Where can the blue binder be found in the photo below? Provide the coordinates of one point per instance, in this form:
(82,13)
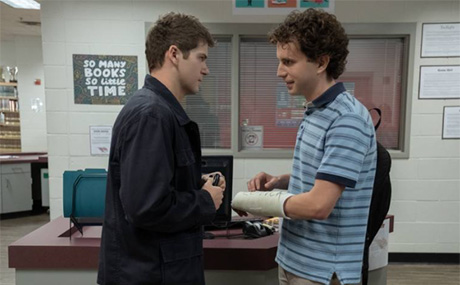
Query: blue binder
(84,194)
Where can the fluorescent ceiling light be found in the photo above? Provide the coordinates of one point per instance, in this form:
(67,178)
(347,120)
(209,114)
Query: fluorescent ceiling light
(22,4)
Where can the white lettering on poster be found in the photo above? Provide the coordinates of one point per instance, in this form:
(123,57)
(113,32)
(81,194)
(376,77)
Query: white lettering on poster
(105,77)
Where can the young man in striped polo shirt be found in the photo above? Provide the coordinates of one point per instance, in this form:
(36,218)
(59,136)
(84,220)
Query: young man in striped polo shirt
(330,187)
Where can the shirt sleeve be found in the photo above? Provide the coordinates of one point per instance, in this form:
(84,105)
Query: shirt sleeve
(148,197)
(346,145)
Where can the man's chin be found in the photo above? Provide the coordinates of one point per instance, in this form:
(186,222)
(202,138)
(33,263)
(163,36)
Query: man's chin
(193,92)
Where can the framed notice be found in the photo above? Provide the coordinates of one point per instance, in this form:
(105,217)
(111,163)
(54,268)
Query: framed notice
(439,82)
(100,137)
(441,40)
(451,122)
(104,79)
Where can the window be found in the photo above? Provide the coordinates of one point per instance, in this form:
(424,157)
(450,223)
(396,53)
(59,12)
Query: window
(242,90)
(264,100)
(210,107)
(374,75)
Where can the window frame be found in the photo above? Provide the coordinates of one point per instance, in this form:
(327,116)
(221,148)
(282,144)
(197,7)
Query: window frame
(405,31)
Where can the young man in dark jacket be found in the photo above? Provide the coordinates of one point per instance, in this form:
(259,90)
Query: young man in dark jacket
(156,200)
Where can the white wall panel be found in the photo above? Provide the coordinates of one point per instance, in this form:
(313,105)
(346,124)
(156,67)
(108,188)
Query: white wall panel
(56,100)
(57,122)
(79,145)
(53,30)
(405,211)
(54,53)
(439,212)
(55,77)
(79,122)
(431,190)
(58,145)
(439,169)
(60,164)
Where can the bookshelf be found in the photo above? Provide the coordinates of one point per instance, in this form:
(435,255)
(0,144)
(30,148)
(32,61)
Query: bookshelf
(10,125)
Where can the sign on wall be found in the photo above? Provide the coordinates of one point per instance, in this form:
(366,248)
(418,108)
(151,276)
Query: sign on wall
(278,7)
(104,79)
(441,40)
(99,138)
(439,82)
(451,122)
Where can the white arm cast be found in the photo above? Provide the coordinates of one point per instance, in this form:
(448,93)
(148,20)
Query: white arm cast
(262,203)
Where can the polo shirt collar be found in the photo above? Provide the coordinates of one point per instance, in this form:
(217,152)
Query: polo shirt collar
(160,89)
(329,95)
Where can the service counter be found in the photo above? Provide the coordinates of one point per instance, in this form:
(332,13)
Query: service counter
(57,254)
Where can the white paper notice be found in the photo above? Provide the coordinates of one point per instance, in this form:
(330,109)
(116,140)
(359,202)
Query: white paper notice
(451,125)
(440,40)
(439,82)
(252,137)
(100,137)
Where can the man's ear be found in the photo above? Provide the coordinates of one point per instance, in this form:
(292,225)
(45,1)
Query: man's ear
(323,62)
(172,54)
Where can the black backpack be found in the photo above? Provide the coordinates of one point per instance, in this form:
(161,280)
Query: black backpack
(380,201)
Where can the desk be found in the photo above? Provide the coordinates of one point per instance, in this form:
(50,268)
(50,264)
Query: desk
(48,256)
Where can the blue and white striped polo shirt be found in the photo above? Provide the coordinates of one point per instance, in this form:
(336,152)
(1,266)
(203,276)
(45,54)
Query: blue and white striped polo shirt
(335,142)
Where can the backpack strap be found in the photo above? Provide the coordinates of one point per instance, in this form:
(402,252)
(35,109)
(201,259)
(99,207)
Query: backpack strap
(380,117)
(365,267)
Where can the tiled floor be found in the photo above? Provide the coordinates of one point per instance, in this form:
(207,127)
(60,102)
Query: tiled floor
(398,274)
(10,231)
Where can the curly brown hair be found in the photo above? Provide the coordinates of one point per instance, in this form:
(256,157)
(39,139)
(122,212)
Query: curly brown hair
(184,31)
(317,33)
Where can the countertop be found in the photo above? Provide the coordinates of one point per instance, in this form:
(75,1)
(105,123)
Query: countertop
(23,157)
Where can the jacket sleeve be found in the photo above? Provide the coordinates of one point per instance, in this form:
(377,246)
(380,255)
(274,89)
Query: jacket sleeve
(146,171)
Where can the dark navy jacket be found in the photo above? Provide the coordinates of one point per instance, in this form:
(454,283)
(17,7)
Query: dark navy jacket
(155,206)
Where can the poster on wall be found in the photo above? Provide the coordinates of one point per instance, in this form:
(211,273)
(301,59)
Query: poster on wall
(279,7)
(100,137)
(441,40)
(451,122)
(104,79)
(439,82)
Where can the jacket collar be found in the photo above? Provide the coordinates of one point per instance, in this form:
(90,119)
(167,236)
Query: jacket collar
(160,89)
(329,95)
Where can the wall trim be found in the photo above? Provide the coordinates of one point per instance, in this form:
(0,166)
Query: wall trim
(410,257)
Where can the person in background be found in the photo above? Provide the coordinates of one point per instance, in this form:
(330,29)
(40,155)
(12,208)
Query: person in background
(157,201)
(326,206)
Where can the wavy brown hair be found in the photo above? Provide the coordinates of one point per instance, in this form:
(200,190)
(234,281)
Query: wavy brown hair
(317,33)
(184,31)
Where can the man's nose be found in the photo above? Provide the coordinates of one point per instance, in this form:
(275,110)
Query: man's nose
(205,71)
(280,72)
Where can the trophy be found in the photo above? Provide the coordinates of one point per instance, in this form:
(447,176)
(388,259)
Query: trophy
(2,76)
(13,73)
